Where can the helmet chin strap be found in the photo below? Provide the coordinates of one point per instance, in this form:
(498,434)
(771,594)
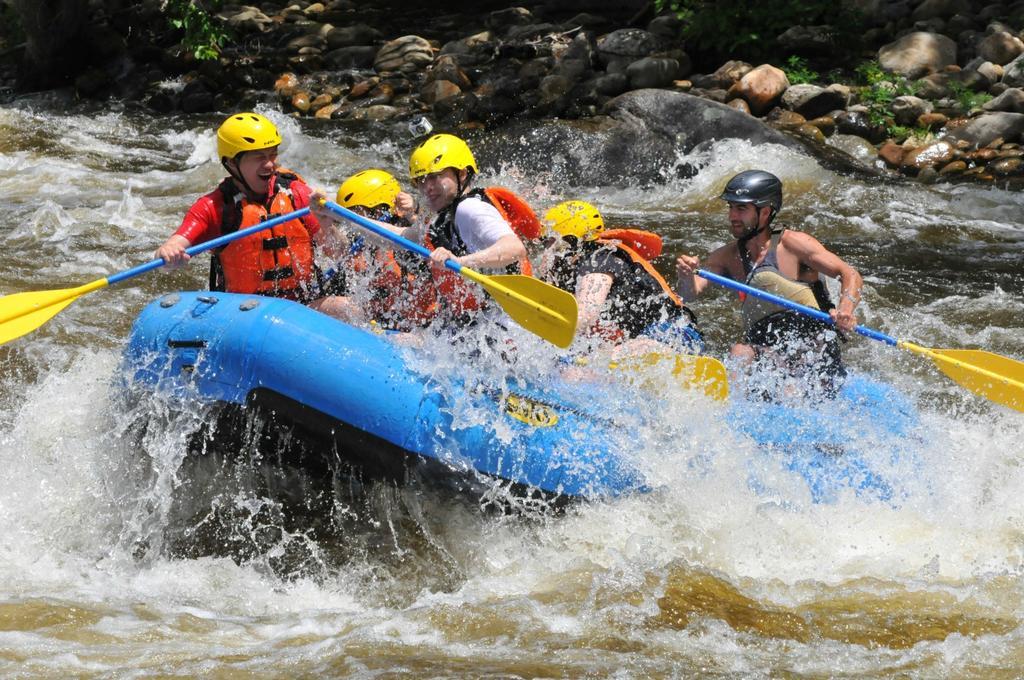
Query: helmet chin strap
(742,241)
(238,176)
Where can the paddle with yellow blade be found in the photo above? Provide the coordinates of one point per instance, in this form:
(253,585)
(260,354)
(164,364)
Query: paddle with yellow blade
(539,307)
(993,376)
(22,313)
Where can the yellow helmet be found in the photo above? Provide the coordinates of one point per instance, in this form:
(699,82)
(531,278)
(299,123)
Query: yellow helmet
(368,189)
(439,152)
(575,218)
(246,132)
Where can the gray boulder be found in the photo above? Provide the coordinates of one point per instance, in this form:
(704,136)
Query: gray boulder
(917,54)
(652,72)
(1011,100)
(629,45)
(986,128)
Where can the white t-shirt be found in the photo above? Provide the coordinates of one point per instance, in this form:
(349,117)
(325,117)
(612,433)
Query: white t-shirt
(479,224)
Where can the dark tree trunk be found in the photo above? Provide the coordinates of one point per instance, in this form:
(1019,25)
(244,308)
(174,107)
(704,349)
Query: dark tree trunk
(56,41)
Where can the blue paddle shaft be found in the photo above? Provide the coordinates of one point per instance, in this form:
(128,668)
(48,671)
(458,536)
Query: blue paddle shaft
(370,225)
(789,304)
(208,245)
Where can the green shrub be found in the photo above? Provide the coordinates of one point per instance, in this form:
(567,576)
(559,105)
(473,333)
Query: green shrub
(879,91)
(966,98)
(798,73)
(204,34)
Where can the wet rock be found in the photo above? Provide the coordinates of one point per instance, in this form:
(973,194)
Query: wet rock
(306,63)
(812,101)
(1005,167)
(162,100)
(716,95)
(740,105)
(320,101)
(927,175)
(918,54)
(931,9)
(382,94)
(532,71)
(936,85)
(1011,100)
(408,54)
(196,97)
(827,125)
(982,155)
(1000,48)
(727,75)
(858,147)
(530,32)
(980,75)
(892,153)
(300,102)
(246,19)
(286,85)
(690,120)
(554,86)
(362,88)
(761,88)
(376,112)
(438,90)
(652,72)
(807,40)
(354,57)
(611,84)
(445,67)
(667,26)
(349,36)
(297,43)
(92,82)
(858,123)
(907,109)
(628,45)
(932,121)
(987,127)
(1013,73)
(811,132)
(936,153)
(785,118)
(958,23)
(504,19)
(954,168)
(471,51)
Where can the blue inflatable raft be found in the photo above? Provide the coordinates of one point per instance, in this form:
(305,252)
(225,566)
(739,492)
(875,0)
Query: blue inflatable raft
(356,393)
(352,388)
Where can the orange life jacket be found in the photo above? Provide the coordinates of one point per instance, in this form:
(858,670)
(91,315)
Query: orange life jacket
(278,261)
(460,297)
(399,300)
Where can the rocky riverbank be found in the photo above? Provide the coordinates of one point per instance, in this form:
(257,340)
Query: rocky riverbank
(937,93)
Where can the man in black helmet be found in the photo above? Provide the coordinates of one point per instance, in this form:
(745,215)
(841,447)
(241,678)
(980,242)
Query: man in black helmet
(785,263)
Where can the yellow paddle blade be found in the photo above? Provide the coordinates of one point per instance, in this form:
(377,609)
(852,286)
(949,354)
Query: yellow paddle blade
(538,307)
(691,371)
(993,376)
(22,313)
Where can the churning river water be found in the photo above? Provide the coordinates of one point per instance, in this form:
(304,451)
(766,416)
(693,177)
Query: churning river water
(702,577)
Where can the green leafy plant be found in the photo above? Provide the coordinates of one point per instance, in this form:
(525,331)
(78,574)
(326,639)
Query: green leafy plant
(798,73)
(204,35)
(880,90)
(966,98)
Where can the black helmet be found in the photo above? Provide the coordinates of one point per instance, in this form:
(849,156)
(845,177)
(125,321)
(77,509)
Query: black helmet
(755,186)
